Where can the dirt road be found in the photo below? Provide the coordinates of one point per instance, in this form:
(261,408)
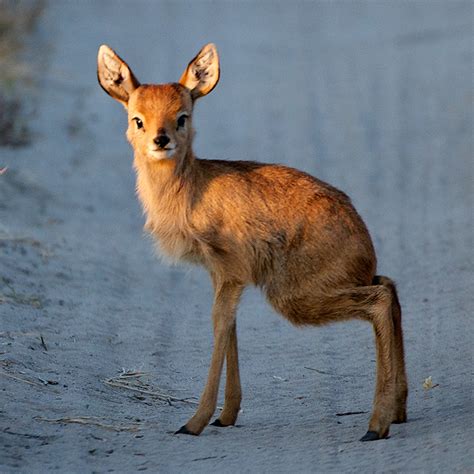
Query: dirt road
(374,97)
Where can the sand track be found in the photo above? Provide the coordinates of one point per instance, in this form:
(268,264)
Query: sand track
(375,97)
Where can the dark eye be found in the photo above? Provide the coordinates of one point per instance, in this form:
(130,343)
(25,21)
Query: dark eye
(182,120)
(138,122)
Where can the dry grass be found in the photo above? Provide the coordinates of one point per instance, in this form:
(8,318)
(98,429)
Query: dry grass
(35,381)
(130,380)
(91,420)
(20,379)
(428,383)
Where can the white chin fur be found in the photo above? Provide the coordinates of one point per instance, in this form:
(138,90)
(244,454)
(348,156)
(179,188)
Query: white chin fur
(161,154)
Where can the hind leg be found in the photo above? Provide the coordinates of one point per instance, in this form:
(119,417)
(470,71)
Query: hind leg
(401,385)
(370,303)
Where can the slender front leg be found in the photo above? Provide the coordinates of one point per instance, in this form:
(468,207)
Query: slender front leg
(226,298)
(233,391)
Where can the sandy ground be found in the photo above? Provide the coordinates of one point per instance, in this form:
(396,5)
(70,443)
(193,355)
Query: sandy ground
(375,97)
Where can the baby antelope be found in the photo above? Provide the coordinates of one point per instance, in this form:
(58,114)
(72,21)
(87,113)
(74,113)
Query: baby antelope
(250,223)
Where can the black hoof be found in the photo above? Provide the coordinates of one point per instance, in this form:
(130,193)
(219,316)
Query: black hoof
(218,422)
(370,436)
(184,430)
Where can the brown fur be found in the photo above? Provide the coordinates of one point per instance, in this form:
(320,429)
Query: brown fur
(296,237)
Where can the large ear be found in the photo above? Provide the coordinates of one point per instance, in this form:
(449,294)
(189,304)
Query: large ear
(114,75)
(202,73)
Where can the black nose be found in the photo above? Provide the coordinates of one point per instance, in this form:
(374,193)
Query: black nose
(162,140)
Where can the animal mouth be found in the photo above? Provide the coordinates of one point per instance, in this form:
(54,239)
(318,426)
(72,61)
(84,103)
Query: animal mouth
(161,153)
(168,148)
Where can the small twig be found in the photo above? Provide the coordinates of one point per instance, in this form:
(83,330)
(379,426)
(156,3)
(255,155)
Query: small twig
(48,382)
(122,382)
(43,343)
(318,371)
(348,413)
(332,374)
(161,396)
(88,420)
(204,459)
(6,374)
(117,383)
(129,373)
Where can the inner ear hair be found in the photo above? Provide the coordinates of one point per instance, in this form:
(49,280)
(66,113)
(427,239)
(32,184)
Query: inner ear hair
(202,73)
(114,75)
